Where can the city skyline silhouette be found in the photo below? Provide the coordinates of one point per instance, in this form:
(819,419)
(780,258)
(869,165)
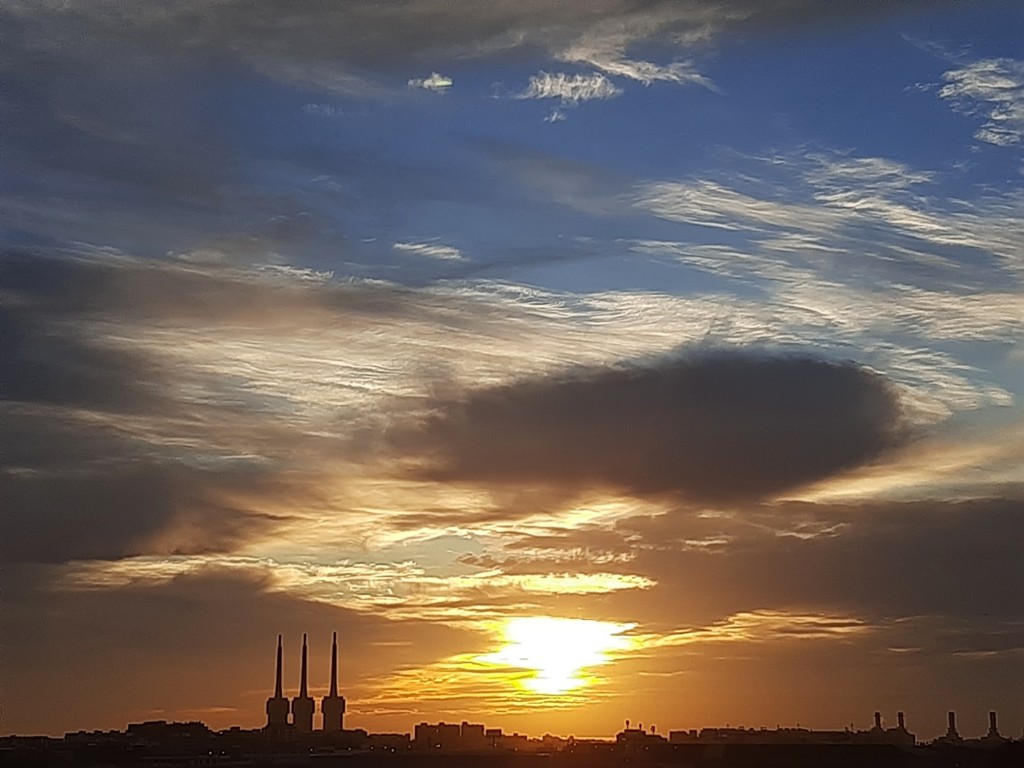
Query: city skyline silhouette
(535,366)
(290,735)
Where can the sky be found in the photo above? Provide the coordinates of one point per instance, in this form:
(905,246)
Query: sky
(575,361)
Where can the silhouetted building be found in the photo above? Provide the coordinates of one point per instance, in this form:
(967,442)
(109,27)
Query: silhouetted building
(472,736)
(993,731)
(682,737)
(440,736)
(162,731)
(992,738)
(952,737)
(388,742)
(638,737)
(277,705)
(898,736)
(879,735)
(303,705)
(332,705)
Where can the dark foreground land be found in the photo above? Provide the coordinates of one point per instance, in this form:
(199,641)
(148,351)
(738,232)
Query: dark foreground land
(31,753)
(802,756)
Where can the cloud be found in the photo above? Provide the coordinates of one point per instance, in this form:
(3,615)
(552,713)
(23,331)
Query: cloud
(837,203)
(278,371)
(647,72)
(430,250)
(404,589)
(605,50)
(128,509)
(241,361)
(570,89)
(724,426)
(54,363)
(436,82)
(951,562)
(364,36)
(993,88)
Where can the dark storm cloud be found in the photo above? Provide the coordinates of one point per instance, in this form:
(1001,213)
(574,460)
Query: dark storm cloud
(724,426)
(126,510)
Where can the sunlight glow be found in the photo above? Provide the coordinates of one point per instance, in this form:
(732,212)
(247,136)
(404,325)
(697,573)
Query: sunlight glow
(558,650)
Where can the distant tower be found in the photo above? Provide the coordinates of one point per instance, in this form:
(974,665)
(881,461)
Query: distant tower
(332,705)
(951,734)
(878,721)
(993,731)
(302,705)
(277,705)
(900,722)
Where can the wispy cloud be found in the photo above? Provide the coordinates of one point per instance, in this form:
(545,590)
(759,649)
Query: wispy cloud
(434,82)
(430,250)
(606,51)
(407,590)
(766,626)
(570,89)
(993,89)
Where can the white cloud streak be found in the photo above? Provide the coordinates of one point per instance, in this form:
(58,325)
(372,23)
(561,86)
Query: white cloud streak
(405,589)
(993,88)
(608,56)
(430,250)
(570,89)
(435,82)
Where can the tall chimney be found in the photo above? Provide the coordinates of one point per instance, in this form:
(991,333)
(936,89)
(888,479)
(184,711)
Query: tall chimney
(333,692)
(277,705)
(332,705)
(899,720)
(277,679)
(878,721)
(303,692)
(951,730)
(992,730)
(302,705)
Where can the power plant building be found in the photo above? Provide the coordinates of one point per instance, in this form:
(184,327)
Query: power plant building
(332,706)
(278,707)
(297,715)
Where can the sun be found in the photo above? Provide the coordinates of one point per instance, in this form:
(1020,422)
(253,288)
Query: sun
(558,651)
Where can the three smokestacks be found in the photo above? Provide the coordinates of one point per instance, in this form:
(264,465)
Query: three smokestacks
(302,707)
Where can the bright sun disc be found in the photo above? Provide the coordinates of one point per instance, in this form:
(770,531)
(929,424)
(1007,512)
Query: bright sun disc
(558,650)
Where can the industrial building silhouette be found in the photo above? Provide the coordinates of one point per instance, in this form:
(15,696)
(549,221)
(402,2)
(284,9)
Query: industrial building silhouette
(288,738)
(302,707)
(293,718)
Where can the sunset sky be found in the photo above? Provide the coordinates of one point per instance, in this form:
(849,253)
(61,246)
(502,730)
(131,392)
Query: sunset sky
(574,360)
